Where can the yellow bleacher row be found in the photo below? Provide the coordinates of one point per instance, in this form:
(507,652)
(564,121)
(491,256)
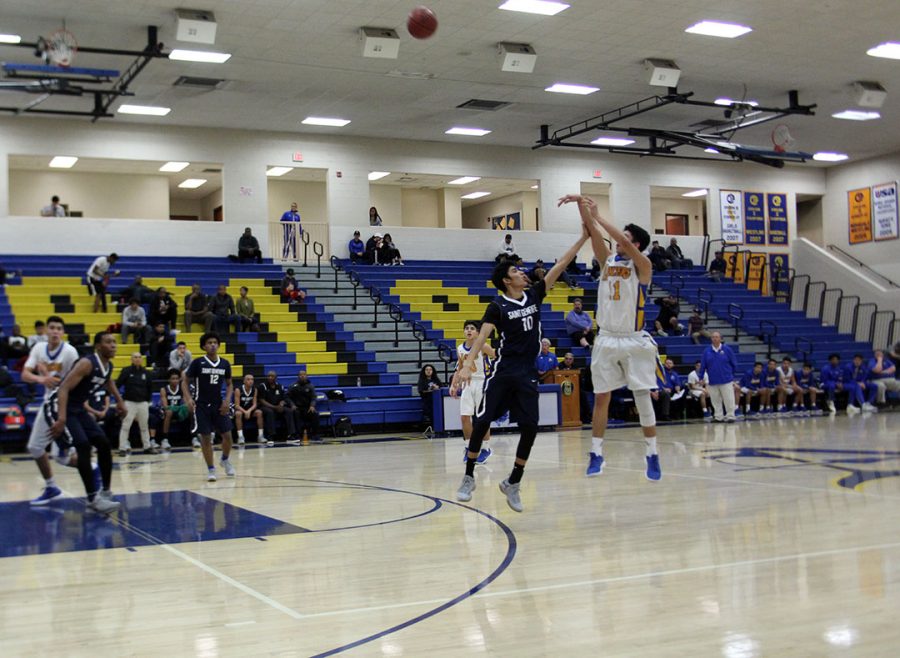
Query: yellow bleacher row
(419,293)
(30,301)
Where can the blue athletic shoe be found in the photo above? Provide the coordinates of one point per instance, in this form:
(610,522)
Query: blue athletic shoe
(50,493)
(595,465)
(654,473)
(483,455)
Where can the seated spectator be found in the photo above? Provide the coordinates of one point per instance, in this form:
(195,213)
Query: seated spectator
(426,386)
(16,345)
(357,249)
(137,290)
(248,247)
(697,389)
(895,352)
(595,270)
(55,209)
(568,362)
(570,274)
(866,389)
(246,407)
(163,309)
(388,254)
(672,388)
(274,403)
(290,288)
(221,305)
(247,311)
(658,257)
(696,327)
(717,267)
(180,358)
(374,217)
(160,346)
(755,395)
(196,309)
(580,324)
(39,335)
(537,272)
(667,320)
(807,390)
(507,249)
(134,321)
(546,362)
(373,245)
(883,373)
(302,394)
(679,262)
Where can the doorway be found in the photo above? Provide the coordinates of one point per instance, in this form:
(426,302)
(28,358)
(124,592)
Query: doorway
(676,224)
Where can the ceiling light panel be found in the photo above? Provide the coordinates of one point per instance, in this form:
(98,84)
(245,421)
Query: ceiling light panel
(10,38)
(566,88)
(474,195)
(856,115)
(888,50)
(464,180)
(325,121)
(471,132)
(612,141)
(718,29)
(278,171)
(542,7)
(146,110)
(174,167)
(695,193)
(203,56)
(63,162)
(192,183)
(378,175)
(828,156)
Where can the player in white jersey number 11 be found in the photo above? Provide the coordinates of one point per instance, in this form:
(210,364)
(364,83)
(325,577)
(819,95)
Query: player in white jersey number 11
(623,353)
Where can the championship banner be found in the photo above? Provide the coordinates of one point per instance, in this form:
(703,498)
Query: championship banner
(732,216)
(780,276)
(734,266)
(884,211)
(754,218)
(859,206)
(776,206)
(756,278)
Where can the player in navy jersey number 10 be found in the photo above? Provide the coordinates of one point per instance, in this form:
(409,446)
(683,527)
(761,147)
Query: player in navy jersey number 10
(512,384)
(211,408)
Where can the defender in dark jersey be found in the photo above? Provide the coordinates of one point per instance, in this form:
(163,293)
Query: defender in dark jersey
(74,422)
(211,408)
(513,383)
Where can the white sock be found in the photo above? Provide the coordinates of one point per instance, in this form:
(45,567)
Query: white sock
(240,434)
(597,445)
(651,445)
(50,482)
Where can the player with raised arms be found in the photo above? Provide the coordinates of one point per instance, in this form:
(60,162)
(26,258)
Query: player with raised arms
(623,353)
(513,382)
(470,396)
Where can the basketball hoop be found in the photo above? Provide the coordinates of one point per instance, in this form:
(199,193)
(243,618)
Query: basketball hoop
(61,47)
(781,138)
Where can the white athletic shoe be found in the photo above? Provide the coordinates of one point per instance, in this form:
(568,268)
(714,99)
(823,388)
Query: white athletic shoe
(831,408)
(241,440)
(195,442)
(229,469)
(166,445)
(870,408)
(103,506)
(211,475)
(852,410)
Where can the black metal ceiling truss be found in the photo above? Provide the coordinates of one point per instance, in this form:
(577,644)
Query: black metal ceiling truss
(663,143)
(80,84)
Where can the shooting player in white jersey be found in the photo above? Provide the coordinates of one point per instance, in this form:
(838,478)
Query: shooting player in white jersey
(623,353)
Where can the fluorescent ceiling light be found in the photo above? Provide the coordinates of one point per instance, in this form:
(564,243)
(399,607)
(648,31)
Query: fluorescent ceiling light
(10,38)
(325,121)
(711,150)
(148,110)
(542,7)
(63,162)
(278,171)
(464,180)
(174,167)
(378,175)
(612,141)
(827,156)
(534,187)
(889,50)
(472,132)
(717,29)
(729,102)
(205,56)
(565,88)
(695,193)
(857,115)
(192,183)
(474,195)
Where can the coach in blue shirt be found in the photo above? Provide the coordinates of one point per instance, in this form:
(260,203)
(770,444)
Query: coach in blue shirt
(720,365)
(293,229)
(546,361)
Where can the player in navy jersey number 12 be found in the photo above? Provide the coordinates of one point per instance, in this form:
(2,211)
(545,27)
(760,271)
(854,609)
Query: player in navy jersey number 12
(623,353)
(512,384)
(211,408)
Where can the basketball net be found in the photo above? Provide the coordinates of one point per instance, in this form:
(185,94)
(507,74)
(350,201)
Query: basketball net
(781,138)
(60,48)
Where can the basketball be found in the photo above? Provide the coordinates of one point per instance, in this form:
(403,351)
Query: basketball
(422,23)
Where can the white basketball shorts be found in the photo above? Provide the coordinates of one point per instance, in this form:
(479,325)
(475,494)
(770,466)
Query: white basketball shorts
(624,360)
(470,397)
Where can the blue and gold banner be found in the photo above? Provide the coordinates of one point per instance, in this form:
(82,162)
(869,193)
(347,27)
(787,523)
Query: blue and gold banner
(776,207)
(754,218)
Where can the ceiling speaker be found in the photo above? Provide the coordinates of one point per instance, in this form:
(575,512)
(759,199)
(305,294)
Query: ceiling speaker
(379,42)
(663,72)
(869,94)
(195,26)
(516,57)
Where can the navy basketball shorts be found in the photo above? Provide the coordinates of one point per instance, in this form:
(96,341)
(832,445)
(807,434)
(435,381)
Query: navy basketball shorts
(209,420)
(511,389)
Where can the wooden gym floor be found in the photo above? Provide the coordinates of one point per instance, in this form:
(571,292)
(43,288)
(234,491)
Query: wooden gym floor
(767,538)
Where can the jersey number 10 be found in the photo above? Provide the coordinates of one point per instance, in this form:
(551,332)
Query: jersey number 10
(528,322)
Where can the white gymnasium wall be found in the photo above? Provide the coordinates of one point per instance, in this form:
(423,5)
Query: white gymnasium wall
(387,199)
(420,207)
(690,207)
(126,196)
(245,155)
(311,200)
(883,257)
(478,215)
(186,207)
